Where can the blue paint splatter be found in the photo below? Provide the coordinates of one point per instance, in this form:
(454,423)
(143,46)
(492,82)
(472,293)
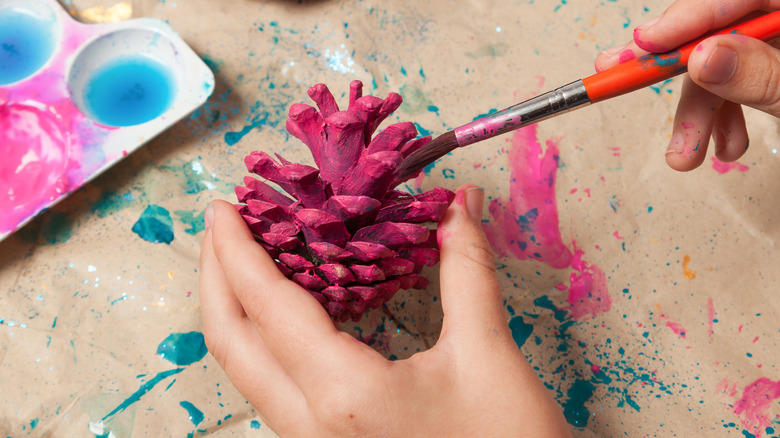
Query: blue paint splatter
(143,389)
(195,414)
(574,408)
(183,348)
(254,424)
(195,222)
(422,131)
(155,225)
(434,109)
(521,330)
(490,111)
(259,120)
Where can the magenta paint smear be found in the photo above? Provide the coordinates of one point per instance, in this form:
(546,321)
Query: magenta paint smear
(526,225)
(753,407)
(722,167)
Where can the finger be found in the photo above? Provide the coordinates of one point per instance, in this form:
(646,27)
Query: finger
(686,20)
(693,125)
(740,69)
(618,55)
(294,326)
(239,349)
(470,294)
(730,133)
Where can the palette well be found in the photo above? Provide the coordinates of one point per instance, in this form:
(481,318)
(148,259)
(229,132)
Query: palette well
(76,98)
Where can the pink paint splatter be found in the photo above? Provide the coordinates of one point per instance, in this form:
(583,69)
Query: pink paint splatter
(595,369)
(526,225)
(617,235)
(710,316)
(722,167)
(673,325)
(753,407)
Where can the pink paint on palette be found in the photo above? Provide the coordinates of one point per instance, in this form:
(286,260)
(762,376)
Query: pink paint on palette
(526,225)
(56,133)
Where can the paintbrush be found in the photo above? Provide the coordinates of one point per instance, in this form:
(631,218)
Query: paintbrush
(621,79)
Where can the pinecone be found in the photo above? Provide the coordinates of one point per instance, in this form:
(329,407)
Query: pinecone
(342,231)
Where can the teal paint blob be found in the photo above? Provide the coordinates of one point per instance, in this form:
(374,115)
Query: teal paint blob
(155,225)
(213,64)
(520,330)
(195,414)
(195,222)
(254,424)
(490,111)
(111,203)
(129,91)
(57,228)
(422,131)
(574,408)
(143,389)
(26,43)
(183,348)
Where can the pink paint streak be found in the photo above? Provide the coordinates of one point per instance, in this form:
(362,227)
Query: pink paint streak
(722,167)
(710,316)
(626,55)
(526,225)
(753,407)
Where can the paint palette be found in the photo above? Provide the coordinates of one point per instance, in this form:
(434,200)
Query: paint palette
(77,98)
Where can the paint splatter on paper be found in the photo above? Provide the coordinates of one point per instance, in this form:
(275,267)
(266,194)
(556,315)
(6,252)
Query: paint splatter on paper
(526,225)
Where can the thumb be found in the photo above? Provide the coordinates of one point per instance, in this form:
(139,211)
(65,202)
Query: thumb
(470,294)
(739,69)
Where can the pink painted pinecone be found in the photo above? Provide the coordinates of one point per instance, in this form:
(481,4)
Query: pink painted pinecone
(344,233)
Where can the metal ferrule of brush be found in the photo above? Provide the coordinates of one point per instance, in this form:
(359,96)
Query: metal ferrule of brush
(536,109)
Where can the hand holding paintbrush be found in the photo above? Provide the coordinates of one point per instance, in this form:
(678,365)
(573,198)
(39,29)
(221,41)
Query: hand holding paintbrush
(731,67)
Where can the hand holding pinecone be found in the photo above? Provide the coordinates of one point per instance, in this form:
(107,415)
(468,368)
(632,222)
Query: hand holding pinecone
(342,231)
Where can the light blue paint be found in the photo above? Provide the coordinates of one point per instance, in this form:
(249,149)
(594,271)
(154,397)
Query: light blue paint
(232,138)
(183,348)
(26,43)
(195,414)
(195,222)
(129,91)
(155,225)
(143,389)
(254,424)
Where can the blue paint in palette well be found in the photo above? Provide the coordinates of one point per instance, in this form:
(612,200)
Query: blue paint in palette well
(26,43)
(129,91)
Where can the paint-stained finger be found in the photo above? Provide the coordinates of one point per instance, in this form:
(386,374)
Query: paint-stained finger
(293,324)
(693,125)
(234,342)
(686,20)
(618,55)
(730,132)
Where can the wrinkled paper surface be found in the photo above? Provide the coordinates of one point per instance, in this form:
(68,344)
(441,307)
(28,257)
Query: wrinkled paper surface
(662,321)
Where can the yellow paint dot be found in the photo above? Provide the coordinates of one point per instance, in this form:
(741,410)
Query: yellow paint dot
(687,273)
(170,275)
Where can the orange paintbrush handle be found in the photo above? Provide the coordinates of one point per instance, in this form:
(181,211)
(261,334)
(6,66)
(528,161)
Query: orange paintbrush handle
(650,69)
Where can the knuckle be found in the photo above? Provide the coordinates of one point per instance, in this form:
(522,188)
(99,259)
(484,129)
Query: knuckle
(479,253)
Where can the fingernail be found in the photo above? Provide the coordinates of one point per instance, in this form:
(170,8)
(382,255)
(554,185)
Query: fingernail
(647,25)
(721,140)
(676,144)
(720,67)
(611,52)
(208,216)
(475,197)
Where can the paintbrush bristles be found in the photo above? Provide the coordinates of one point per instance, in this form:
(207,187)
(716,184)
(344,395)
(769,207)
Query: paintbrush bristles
(426,155)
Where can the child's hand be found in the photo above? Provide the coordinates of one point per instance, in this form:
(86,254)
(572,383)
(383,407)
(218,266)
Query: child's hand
(306,378)
(724,72)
